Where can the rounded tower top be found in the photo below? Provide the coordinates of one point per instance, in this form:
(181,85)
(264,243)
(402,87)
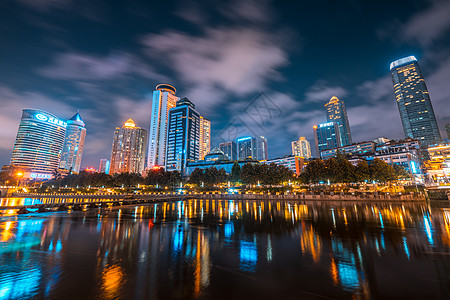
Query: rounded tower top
(129,123)
(164,87)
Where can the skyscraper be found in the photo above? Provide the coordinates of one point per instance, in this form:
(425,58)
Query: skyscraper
(73,144)
(183,136)
(229,149)
(163,100)
(246,148)
(205,137)
(39,143)
(413,100)
(336,112)
(104,166)
(262,150)
(301,148)
(128,149)
(326,136)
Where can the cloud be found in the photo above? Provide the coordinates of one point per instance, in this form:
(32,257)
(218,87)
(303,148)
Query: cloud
(85,67)
(322,92)
(375,90)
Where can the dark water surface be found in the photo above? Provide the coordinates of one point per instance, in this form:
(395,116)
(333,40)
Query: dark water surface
(215,249)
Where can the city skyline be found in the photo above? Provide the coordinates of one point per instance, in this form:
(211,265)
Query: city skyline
(251,48)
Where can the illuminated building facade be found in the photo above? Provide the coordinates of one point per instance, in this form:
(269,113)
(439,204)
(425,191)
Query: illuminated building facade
(301,148)
(104,166)
(39,143)
(326,136)
(205,137)
(229,149)
(183,137)
(438,167)
(262,150)
(73,144)
(359,149)
(337,113)
(164,99)
(292,162)
(413,100)
(246,148)
(128,149)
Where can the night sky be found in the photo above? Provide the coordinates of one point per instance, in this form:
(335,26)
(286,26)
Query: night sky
(259,67)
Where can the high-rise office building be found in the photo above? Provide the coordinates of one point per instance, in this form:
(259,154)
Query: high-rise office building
(39,142)
(205,137)
(336,112)
(128,149)
(301,148)
(229,149)
(447,128)
(73,144)
(246,148)
(164,99)
(262,152)
(104,166)
(183,136)
(413,100)
(326,136)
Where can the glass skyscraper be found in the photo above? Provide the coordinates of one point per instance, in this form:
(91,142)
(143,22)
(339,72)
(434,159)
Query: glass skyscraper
(326,136)
(413,100)
(183,136)
(73,144)
(39,142)
(336,112)
(104,166)
(262,150)
(229,149)
(128,149)
(164,99)
(247,148)
(301,148)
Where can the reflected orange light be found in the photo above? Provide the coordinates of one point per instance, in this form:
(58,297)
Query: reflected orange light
(112,280)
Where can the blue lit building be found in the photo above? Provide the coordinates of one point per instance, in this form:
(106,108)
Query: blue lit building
(246,148)
(326,136)
(73,144)
(413,100)
(336,112)
(39,143)
(357,149)
(183,136)
(262,152)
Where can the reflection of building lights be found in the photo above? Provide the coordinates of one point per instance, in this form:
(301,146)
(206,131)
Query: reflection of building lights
(248,256)
(112,280)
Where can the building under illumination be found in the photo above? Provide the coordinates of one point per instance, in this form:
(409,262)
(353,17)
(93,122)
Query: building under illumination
(205,136)
(73,144)
(164,99)
(336,112)
(262,152)
(413,100)
(104,166)
(292,162)
(246,148)
(39,143)
(301,148)
(229,149)
(438,167)
(326,136)
(128,149)
(183,136)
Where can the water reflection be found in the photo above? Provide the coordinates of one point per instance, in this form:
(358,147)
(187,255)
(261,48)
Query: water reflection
(228,249)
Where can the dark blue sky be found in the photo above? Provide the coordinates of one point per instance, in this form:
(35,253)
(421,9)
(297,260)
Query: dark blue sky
(259,67)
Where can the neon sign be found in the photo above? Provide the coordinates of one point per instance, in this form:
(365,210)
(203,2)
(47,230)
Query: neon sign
(244,138)
(44,118)
(40,176)
(326,124)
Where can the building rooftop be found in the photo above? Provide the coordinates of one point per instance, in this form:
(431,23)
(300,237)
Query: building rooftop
(402,61)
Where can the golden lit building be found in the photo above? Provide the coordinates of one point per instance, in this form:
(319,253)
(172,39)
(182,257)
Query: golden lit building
(336,112)
(128,149)
(438,167)
(205,137)
(301,148)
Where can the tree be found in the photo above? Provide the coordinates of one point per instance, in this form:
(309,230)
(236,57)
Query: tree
(235,175)
(381,171)
(401,172)
(362,171)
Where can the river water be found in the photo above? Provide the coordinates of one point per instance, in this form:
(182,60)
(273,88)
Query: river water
(217,249)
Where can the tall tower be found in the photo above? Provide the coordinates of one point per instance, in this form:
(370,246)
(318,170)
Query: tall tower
(336,112)
(205,137)
(262,150)
(128,149)
(301,148)
(326,136)
(413,100)
(229,149)
(163,100)
(183,136)
(39,143)
(73,144)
